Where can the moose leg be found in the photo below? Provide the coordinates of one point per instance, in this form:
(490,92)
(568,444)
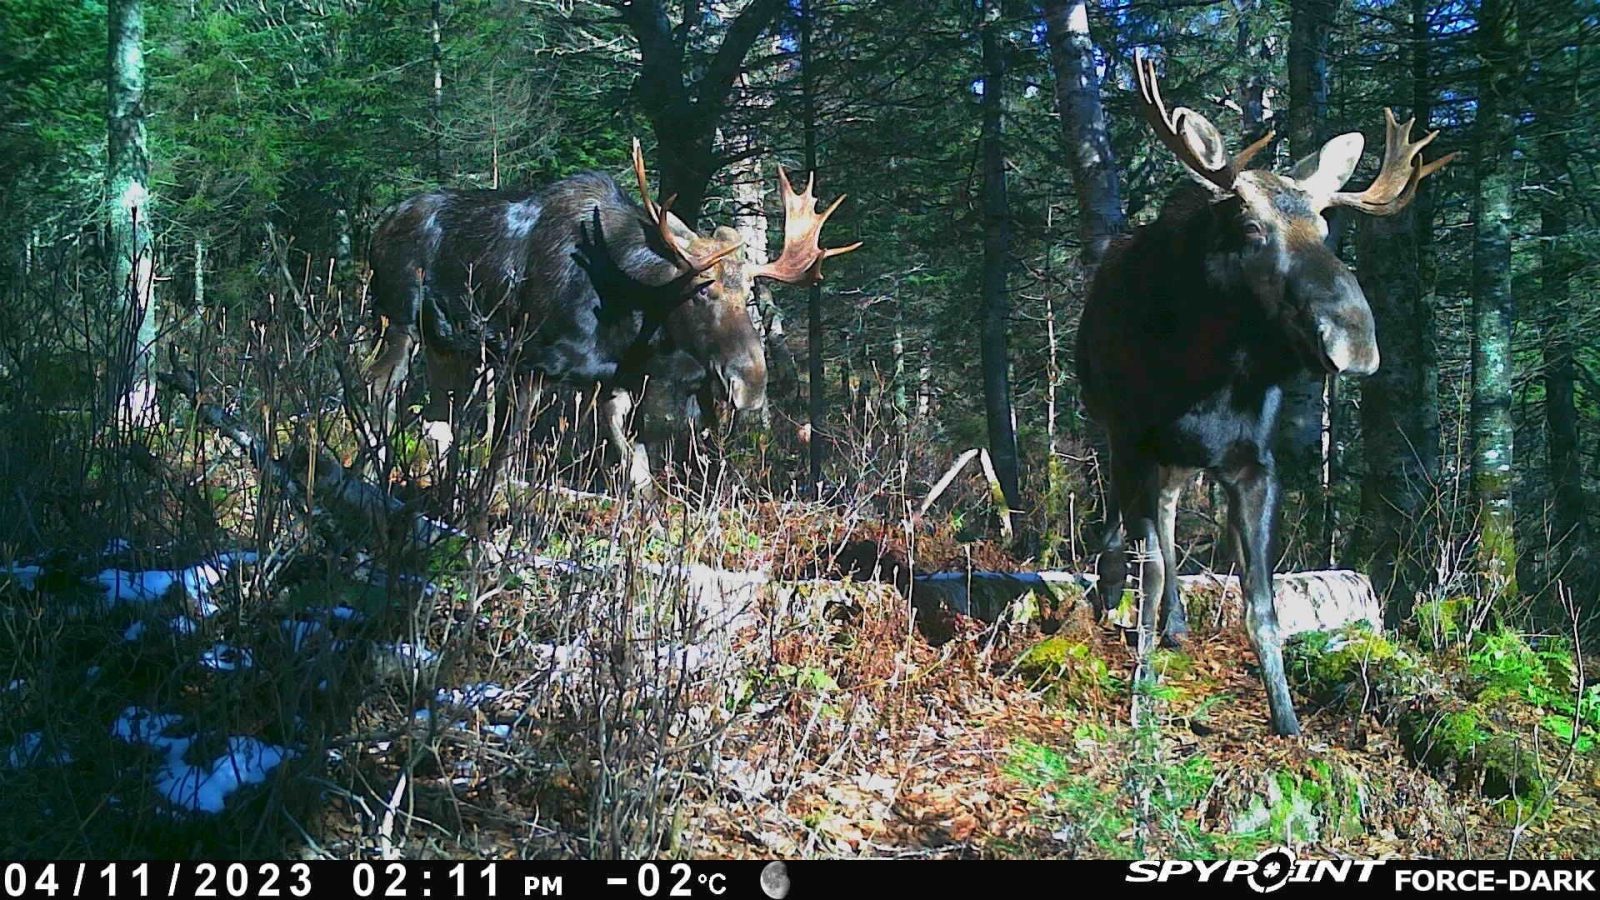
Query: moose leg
(1138,486)
(617,409)
(1252,510)
(450,382)
(387,377)
(1112,567)
(1174,619)
(513,416)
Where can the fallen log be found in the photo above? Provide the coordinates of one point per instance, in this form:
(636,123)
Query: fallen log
(362,509)
(1305,601)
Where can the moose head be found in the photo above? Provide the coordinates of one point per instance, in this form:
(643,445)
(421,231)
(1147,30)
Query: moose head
(707,308)
(1268,233)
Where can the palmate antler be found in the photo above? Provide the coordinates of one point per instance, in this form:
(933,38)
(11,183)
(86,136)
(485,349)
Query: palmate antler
(658,213)
(1189,135)
(802,256)
(1403,168)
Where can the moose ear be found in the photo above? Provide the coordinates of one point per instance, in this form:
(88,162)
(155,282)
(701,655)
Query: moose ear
(1202,138)
(1328,169)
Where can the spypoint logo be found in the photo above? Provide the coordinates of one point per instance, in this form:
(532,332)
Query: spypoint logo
(1266,873)
(1272,870)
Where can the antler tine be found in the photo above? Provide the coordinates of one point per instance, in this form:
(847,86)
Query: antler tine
(1243,157)
(644,182)
(1396,184)
(659,213)
(1168,127)
(802,256)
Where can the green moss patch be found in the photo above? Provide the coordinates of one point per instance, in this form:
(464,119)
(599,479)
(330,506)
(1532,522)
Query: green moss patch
(1355,668)
(1066,669)
(1465,746)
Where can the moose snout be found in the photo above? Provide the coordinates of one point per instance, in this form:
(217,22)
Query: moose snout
(1347,337)
(1347,351)
(744,382)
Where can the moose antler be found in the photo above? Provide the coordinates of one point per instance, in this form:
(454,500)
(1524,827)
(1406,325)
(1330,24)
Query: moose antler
(1402,168)
(1189,135)
(801,259)
(659,214)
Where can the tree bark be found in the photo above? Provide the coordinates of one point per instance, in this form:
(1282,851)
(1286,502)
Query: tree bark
(1083,127)
(996,261)
(1400,402)
(131,262)
(436,99)
(684,112)
(1492,302)
(816,410)
(1300,444)
(1555,112)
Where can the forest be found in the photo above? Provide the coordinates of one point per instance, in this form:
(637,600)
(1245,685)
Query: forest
(306,552)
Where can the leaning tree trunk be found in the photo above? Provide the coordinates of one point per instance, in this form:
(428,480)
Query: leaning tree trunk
(1300,444)
(1492,306)
(1083,126)
(131,389)
(1094,178)
(1400,402)
(996,253)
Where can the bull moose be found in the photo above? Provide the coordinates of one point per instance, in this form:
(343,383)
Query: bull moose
(1192,326)
(576,283)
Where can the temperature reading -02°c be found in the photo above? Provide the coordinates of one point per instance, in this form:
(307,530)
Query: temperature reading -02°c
(679,880)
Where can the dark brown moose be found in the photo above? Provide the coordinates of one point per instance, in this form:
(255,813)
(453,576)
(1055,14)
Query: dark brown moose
(1192,326)
(576,283)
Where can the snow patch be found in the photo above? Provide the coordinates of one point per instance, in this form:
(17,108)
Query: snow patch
(29,750)
(224,658)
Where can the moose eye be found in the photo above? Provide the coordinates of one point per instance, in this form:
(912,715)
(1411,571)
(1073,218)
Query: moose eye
(1254,231)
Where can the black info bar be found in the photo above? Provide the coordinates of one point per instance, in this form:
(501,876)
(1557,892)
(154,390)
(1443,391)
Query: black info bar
(1275,872)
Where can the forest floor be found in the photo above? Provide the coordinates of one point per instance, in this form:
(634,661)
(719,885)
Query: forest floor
(286,703)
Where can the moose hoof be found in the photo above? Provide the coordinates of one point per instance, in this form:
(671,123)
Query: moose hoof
(1174,638)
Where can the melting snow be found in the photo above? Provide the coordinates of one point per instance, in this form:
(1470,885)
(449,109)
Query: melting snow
(223,658)
(300,634)
(29,749)
(206,788)
(25,575)
(138,725)
(198,788)
(472,696)
(194,582)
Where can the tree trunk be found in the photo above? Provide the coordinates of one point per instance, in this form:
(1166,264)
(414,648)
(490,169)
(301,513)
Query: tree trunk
(1300,434)
(131,263)
(436,100)
(1492,307)
(1255,57)
(1400,402)
(684,112)
(1555,112)
(816,410)
(996,253)
(1083,127)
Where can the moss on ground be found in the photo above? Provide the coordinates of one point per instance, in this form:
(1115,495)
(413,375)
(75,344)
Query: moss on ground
(1311,802)
(1066,669)
(1466,746)
(1355,668)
